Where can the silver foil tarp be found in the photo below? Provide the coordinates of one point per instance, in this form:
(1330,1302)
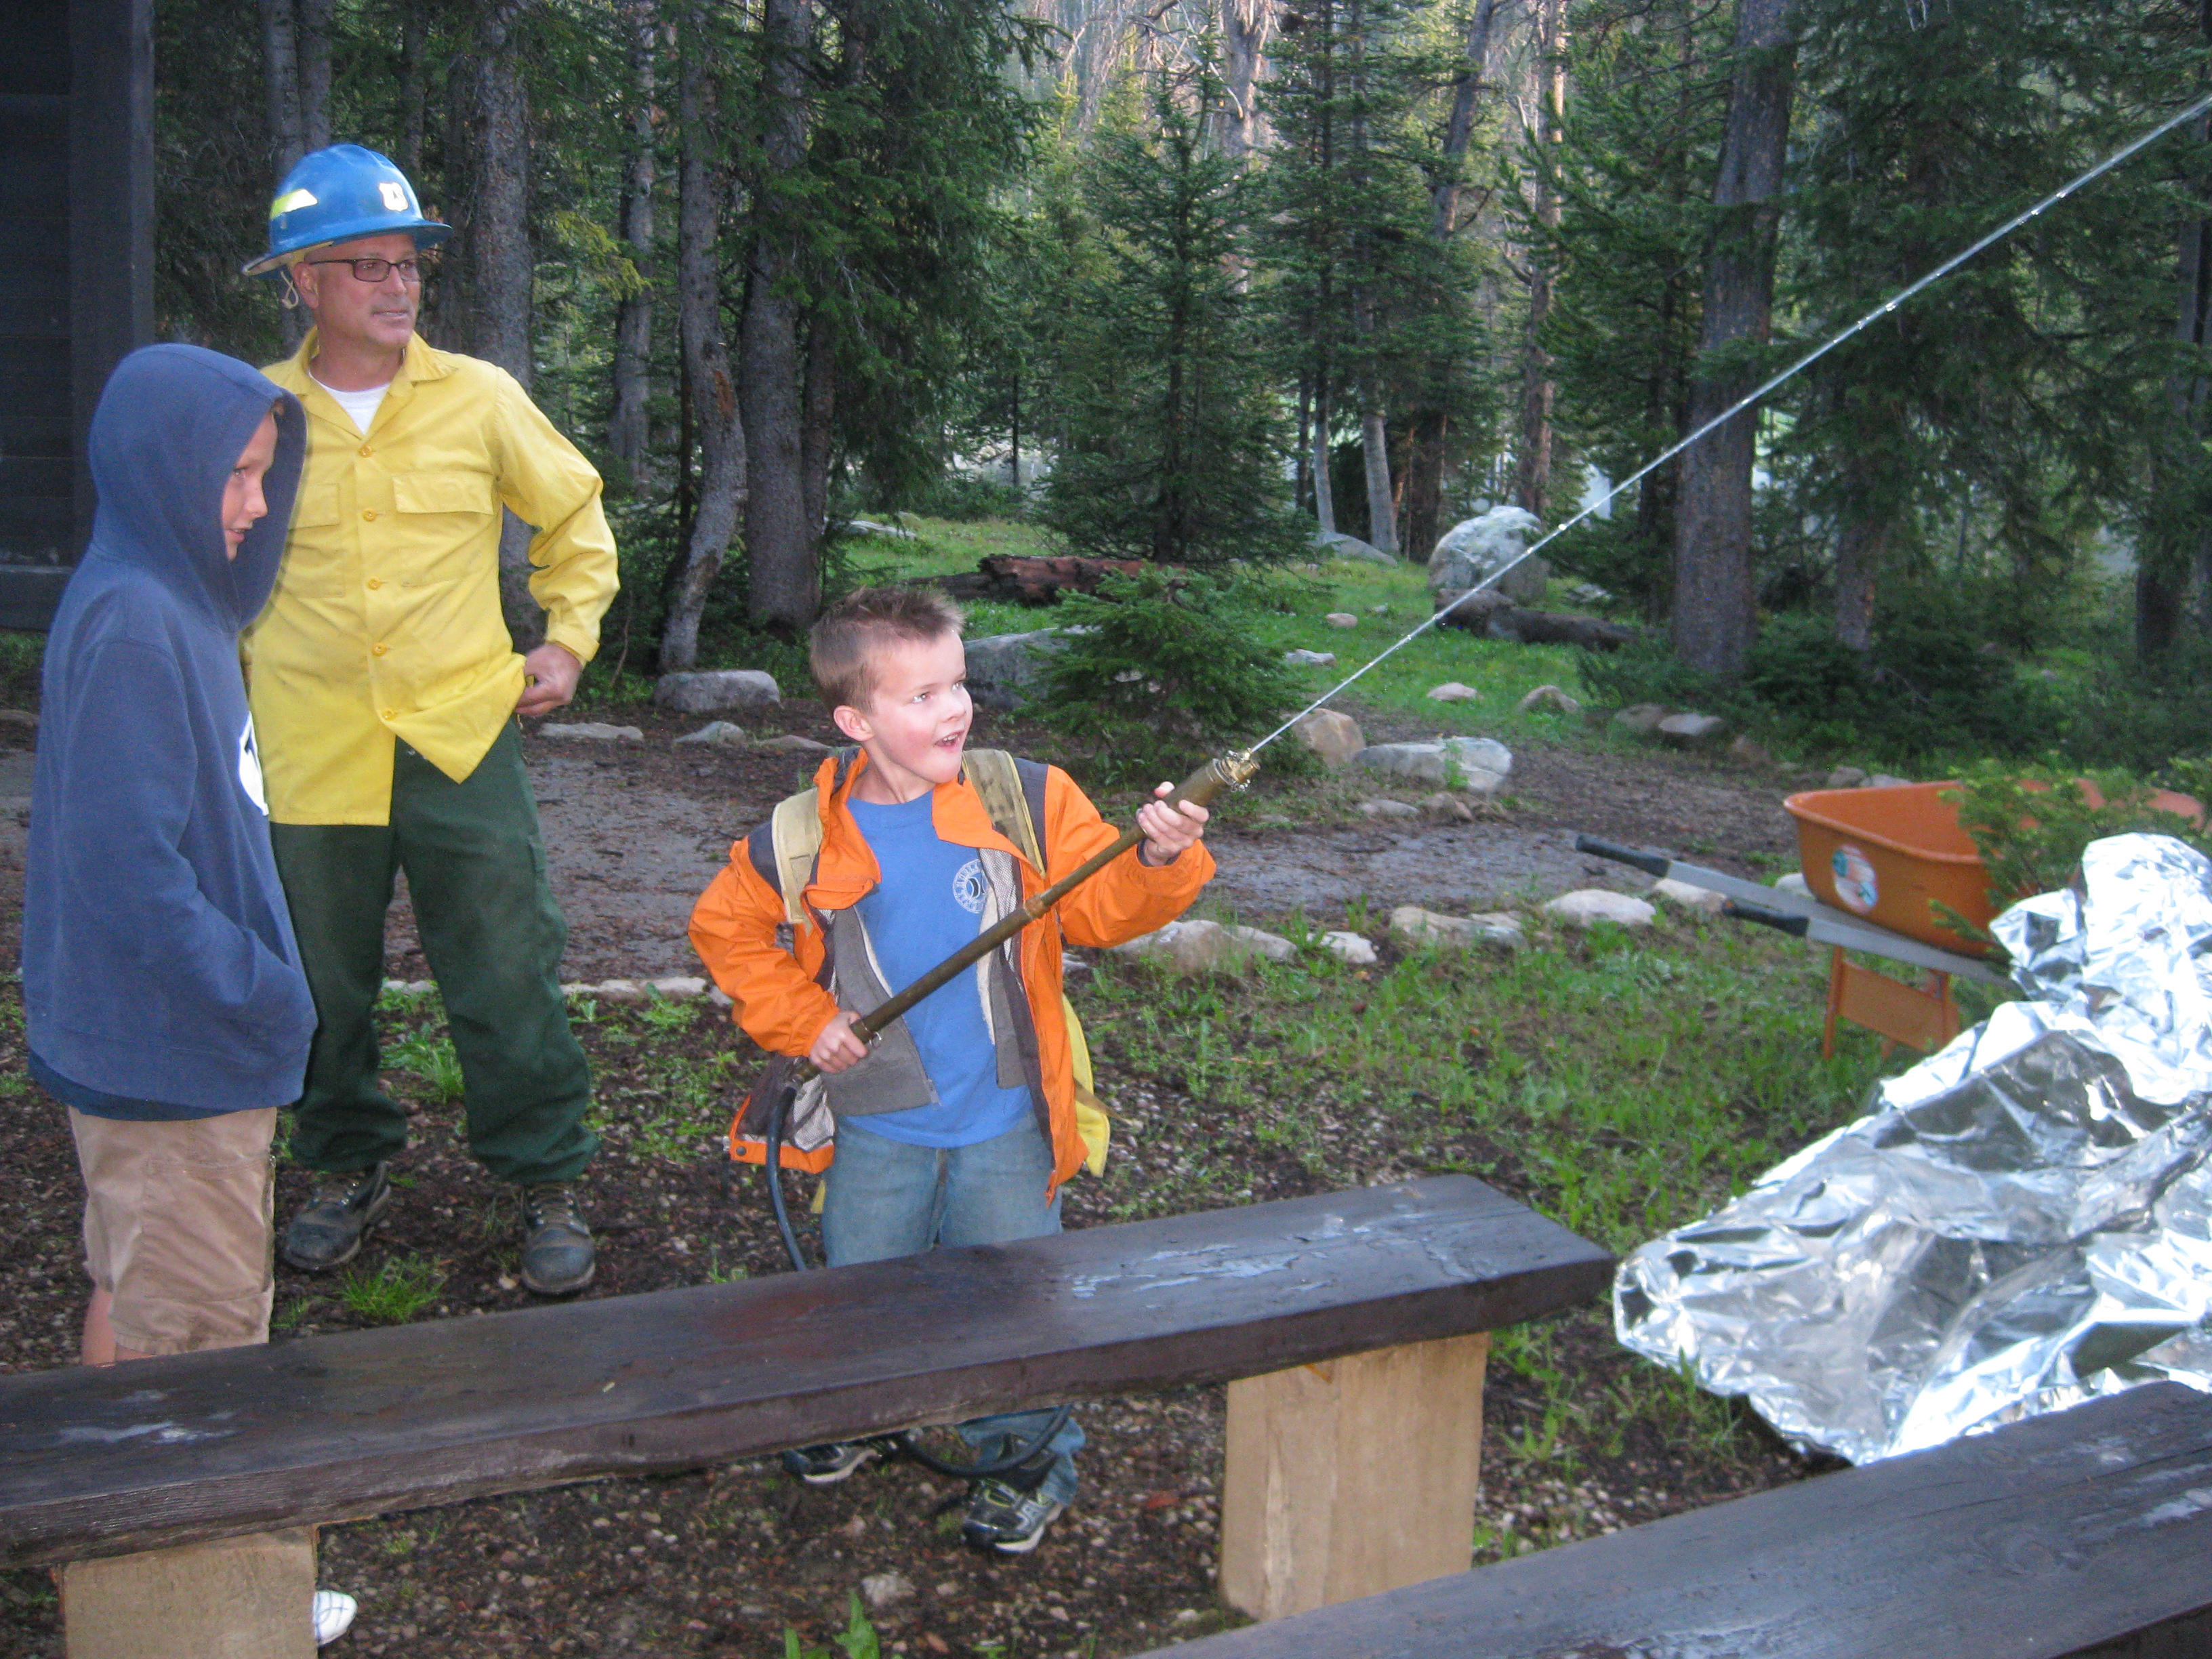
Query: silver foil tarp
(2021,1222)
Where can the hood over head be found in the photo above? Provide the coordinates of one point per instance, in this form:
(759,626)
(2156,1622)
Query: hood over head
(171,425)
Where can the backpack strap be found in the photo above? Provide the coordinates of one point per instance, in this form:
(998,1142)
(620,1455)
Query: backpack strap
(1013,792)
(794,832)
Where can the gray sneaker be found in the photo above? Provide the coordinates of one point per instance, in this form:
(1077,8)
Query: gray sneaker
(558,1252)
(338,1215)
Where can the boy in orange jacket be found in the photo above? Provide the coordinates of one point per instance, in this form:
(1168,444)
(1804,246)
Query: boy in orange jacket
(958,1126)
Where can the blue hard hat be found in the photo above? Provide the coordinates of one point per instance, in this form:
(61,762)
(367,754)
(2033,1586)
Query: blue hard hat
(336,194)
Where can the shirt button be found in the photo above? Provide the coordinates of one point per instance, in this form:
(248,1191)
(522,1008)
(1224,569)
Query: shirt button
(370,515)
(376,581)
(392,713)
(380,648)
(364,449)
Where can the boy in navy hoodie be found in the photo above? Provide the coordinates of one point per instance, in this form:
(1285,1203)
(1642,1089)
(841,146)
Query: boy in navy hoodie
(163,991)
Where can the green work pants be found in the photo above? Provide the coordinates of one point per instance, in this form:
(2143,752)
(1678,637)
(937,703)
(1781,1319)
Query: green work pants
(475,871)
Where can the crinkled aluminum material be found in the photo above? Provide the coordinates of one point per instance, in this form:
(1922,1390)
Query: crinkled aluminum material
(2019,1223)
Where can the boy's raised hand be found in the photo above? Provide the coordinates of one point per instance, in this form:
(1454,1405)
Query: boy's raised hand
(837,1048)
(1169,830)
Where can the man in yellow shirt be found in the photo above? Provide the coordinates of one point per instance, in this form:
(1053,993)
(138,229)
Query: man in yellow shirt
(384,687)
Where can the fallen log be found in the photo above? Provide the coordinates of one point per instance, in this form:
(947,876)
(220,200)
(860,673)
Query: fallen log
(1485,610)
(1027,579)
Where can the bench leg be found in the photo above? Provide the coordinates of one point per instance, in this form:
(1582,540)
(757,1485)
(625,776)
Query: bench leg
(1352,1478)
(236,1598)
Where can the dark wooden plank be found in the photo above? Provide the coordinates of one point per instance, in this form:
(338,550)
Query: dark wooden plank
(166,1451)
(2042,1539)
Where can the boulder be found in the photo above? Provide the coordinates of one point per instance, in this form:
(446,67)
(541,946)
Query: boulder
(679,988)
(1412,925)
(1691,731)
(1454,691)
(710,691)
(1591,905)
(792,743)
(1005,670)
(1387,809)
(1480,765)
(1204,947)
(1685,897)
(1746,752)
(889,533)
(1448,808)
(1342,546)
(1885,780)
(1349,947)
(1335,737)
(717,732)
(1341,619)
(1641,719)
(1310,658)
(1795,882)
(1475,549)
(1549,698)
(591,732)
(1844,777)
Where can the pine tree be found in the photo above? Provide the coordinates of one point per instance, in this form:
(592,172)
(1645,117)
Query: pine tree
(1171,449)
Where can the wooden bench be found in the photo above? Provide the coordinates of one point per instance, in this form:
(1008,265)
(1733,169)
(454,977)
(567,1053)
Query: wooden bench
(1355,1321)
(2084,1531)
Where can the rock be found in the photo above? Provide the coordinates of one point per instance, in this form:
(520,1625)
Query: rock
(1454,691)
(1448,808)
(1200,947)
(1641,719)
(1372,610)
(716,732)
(1549,698)
(708,691)
(792,743)
(1350,947)
(1691,731)
(1003,669)
(1844,777)
(1746,752)
(1335,737)
(1591,905)
(880,1589)
(409,987)
(614,990)
(1341,619)
(1480,765)
(889,533)
(1412,925)
(1341,546)
(680,987)
(1475,549)
(1387,809)
(1886,780)
(591,731)
(1688,897)
(1310,658)
(1795,882)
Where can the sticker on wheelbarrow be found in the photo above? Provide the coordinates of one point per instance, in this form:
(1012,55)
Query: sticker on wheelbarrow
(1855,885)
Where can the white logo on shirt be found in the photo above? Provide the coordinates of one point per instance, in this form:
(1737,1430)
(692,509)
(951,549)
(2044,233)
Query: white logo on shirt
(968,886)
(249,767)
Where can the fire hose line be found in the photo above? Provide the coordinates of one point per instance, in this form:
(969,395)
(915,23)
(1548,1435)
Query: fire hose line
(1235,769)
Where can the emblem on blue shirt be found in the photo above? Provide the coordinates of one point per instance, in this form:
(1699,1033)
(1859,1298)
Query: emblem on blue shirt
(968,886)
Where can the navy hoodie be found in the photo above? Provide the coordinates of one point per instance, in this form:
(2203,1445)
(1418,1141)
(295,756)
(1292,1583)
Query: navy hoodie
(161,978)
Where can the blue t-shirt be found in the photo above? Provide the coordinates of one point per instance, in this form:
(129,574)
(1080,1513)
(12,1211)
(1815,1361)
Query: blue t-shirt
(929,904)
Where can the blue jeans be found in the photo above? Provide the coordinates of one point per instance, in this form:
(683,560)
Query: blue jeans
(883,1198)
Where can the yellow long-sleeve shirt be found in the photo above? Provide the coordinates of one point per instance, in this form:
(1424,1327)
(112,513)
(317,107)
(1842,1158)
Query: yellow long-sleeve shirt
(385,621)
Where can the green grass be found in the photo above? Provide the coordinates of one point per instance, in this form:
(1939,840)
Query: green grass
(429,1057)
(399,1288)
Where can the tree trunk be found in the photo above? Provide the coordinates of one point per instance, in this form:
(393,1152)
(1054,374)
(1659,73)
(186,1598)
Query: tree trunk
(1714,615)
(701,181)
(414,91)
(781,557)
(1532,481)
(280,53)
(1324,490)
(496,266)
(628,443)
(1246,26)
(1424,483)
(314,39)
(1459,127)
(1382,503)
(817,411)
(1859,548)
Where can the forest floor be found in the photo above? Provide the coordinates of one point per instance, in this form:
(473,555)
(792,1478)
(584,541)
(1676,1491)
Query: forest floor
(1293,1079)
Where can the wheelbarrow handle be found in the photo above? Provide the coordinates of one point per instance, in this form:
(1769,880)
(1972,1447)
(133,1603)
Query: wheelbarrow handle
(1780,921)
(1641,857)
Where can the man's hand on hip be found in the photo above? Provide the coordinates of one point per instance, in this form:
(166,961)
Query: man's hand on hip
(553,671)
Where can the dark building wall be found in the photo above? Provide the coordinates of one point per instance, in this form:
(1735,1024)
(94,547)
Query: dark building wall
(76,287)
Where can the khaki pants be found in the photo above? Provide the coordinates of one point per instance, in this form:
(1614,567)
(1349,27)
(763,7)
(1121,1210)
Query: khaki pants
(178,1227)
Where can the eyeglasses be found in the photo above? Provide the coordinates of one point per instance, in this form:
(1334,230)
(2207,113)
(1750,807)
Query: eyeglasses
(375,270)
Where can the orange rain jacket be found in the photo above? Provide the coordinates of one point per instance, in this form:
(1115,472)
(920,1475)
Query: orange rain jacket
(734,925)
